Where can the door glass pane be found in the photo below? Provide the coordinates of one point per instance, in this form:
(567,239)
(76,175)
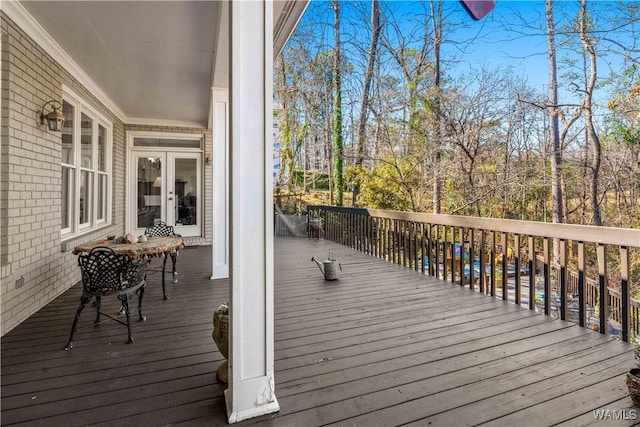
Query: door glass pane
(67,133)
(186,191)
(149,191)
(86,139)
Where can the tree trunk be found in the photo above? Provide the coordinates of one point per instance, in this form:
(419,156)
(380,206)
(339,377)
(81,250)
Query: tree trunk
(284,180)
(554,128)
(436,13)
(588,45)
(338,148)
(368,75)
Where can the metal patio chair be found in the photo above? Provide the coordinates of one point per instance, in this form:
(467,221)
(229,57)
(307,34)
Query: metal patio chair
(162,229)
(104,273)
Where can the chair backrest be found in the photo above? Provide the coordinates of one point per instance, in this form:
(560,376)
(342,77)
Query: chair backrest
(136,273)
(104,271)
(160,229)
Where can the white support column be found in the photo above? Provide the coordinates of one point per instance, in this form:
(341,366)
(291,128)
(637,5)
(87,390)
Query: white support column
(220,126)
(251,389)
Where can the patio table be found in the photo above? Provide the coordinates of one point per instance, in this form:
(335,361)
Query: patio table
(153,247)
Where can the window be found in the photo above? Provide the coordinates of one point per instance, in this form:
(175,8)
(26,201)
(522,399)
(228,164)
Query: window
(86,168)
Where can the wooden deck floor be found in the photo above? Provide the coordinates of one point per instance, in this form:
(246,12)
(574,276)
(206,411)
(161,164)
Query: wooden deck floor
(382,346)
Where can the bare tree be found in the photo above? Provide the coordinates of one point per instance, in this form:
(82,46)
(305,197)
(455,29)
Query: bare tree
(436,24)
(338,148)
(589,46)
(366,88)
(554,111)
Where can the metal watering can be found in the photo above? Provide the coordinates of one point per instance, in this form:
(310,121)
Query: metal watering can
(328,267)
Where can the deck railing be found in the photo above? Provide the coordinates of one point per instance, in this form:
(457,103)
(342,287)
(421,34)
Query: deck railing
(558,268)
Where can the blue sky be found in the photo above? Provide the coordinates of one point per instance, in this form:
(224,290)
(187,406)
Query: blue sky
(511,35)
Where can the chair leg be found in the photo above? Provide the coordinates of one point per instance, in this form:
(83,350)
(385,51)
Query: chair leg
(140,295)
(83,300)
(98,307)
(174,258)
(164,268)
(125,303)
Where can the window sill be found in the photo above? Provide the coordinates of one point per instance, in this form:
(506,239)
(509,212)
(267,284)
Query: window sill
(68,242)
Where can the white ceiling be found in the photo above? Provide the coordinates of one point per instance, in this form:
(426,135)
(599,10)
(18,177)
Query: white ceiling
(155,60)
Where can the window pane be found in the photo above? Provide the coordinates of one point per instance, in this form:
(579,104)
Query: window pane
(102,142)
(67,133)
(86,179)
(102,198)
(86,141)
(67,196)
(166,142)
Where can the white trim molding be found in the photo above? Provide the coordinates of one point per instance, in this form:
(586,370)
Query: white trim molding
(251,391)
(220,130)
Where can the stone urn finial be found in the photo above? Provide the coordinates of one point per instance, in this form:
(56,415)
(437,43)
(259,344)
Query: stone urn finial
(221,338)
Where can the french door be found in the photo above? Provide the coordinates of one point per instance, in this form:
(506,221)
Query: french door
(167,188)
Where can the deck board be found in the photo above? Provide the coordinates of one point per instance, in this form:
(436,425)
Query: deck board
(383,345)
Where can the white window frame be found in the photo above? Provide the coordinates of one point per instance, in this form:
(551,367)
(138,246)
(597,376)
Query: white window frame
(98,120)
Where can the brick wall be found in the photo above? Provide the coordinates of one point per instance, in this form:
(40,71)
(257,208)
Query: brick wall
(34,269)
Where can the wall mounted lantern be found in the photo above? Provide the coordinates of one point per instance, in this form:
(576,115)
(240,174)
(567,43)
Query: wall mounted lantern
(54,119)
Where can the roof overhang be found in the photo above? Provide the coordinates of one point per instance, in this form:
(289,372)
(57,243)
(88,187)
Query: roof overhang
(149,62)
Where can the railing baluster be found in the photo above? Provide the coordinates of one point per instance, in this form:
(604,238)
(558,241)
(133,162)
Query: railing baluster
(462,253)
(582,296)
(493,263)
(532,273)
(547,276)
(483,262)
(505,273)
(389,250)
(430,249)
(436,265)
(472,251)
(422,247)
(452,252)
(394,240)
(403,243)
(602,289)
(416,249)
(563,279)
(516,260)
(445,250)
